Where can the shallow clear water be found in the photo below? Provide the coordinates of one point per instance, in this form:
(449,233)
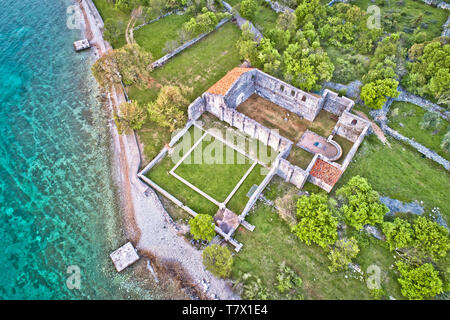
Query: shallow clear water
(57,196)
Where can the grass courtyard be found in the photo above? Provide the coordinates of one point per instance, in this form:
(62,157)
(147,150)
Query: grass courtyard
(406,118)
(154,37)
(203,64)
(211,166)
(107,11)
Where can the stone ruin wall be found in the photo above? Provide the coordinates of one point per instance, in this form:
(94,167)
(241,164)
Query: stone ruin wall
(335,104)
(196,109)
(291,173)
(287,96)
(241,90)
(216,106)
(350,126)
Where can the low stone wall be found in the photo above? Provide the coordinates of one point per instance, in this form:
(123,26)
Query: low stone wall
(161,61)
(422,149)
(158,18)
(446,29)
(278,7)
(260,189)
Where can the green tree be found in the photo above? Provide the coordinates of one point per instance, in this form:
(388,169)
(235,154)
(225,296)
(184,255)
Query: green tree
(248,8)
(113,30)
(375,94)
(316,222)
(167,109)
(342,253)
(306,65)
(431,238)
(268,57)
(202,227)
(420,282)
(399,234)
(131,117)
(361,203)
(218,260)
(129,64)
(310,11)
(247,46)
(286,21)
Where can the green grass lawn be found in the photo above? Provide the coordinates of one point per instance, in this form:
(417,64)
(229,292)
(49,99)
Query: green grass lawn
(410,11)
(299,157)
(345,144)
(265,19)
(272,243)
(204,63)
(215,179)
(153,37)
(410,116)
(402,173)
(107,11)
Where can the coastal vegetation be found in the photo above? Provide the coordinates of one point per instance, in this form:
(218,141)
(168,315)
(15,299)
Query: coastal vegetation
(202,227)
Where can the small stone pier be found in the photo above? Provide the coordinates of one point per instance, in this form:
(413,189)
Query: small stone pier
(81,45)
(124,256)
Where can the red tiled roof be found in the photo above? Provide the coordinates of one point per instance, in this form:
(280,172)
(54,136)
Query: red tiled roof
(223,85)
(326,172)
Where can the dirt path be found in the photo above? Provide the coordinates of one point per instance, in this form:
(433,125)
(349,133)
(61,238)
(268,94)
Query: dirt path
(129,32)
(376,129)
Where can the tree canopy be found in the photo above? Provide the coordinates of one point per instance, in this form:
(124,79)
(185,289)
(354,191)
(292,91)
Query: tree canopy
(342,253)
(218,260)
(131,116)
(167,109)
(202,227)
(316,222)
(418,283)
(361,203)
(129,64)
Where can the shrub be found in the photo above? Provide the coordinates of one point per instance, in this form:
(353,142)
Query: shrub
(218,260)
(287,279)
(399,234)
(420,282)
(431,238)
(253,288)
(431,121)
(202,227)
(342,253)
(248,8)
(131,117)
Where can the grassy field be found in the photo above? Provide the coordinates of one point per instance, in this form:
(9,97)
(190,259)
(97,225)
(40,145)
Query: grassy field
(410,116)
(204,63)
(272,243)
(431,18)
(402,173)
(265,19)
(299,157)
(153,37)
(107,11)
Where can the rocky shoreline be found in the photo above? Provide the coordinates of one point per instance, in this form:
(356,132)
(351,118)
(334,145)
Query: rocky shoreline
(147,224)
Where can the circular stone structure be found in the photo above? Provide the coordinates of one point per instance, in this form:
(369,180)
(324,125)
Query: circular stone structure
(314,143)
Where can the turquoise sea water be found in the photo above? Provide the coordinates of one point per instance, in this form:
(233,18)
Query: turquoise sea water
(57,196)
